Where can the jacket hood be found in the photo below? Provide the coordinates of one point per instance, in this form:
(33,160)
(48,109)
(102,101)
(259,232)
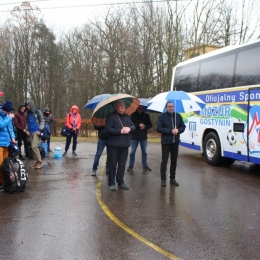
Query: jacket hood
(47,110)
(74,107)
(31,104)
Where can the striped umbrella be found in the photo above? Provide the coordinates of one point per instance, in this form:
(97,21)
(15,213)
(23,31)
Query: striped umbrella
(184,102)
(107,106)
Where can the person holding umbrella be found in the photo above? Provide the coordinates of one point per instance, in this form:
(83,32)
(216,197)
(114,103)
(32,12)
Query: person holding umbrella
(119,127)
(170,124)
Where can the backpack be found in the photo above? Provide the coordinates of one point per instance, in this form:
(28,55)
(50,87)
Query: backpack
(15,175)
(45,132)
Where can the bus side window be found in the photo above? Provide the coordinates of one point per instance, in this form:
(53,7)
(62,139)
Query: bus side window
(186,78)
(209,79)
(247,68)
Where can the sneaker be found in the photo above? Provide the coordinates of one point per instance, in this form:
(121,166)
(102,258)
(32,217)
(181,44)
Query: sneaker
(130,168)
(33,165)
(163,182)
(21,157)
(74,153)
(64,154)
(50,151)
(38,165)
(123,186)
(146,168)
(94,173)
(107,171)
(1,187)
(112,187)
(174,182)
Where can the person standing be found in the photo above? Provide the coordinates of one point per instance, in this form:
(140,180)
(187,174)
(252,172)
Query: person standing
(73,122)
(48,118)
(35,123)
(22,133)
(101,144)
(6,134)
(170,124)
(142,123)
(119,127)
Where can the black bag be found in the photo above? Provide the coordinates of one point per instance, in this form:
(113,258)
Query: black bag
(45,132)
(15,175)
(65,131)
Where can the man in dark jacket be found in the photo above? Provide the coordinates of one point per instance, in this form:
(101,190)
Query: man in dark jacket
(170,125)
(20,125)
(142,123)
(119,127)
(101,144)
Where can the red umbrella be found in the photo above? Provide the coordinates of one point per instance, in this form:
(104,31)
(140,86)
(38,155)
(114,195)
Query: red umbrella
(1,93)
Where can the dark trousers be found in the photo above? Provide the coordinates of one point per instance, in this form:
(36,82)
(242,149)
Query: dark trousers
(73,135)
(167,149)
(22,137)
(117,162)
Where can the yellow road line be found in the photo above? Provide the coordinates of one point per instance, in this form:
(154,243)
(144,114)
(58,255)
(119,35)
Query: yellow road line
(123,226)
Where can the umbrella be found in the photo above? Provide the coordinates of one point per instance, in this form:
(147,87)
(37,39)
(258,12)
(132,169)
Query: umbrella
(107,106)
(1,93)
(93,102)
(143,101)
(184,102)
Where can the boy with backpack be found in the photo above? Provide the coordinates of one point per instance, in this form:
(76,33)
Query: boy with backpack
(35,123)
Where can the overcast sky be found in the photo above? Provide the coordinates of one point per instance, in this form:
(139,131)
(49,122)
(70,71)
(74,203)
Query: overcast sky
(64,14)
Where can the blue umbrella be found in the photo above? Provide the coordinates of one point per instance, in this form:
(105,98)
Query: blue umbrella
(184,102)
(93,102)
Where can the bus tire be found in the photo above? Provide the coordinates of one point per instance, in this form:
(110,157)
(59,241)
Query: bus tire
(212,149)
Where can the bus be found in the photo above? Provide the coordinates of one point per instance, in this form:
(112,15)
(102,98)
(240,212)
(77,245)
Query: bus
(228,81)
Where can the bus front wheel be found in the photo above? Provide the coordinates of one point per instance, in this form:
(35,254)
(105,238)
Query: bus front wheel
(211,149)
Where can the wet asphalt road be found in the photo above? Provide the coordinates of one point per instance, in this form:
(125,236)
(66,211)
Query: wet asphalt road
(65,213)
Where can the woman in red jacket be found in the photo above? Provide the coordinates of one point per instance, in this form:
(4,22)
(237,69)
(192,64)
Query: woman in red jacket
(73,122)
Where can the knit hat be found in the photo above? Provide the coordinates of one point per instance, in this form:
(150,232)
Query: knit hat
(7,106)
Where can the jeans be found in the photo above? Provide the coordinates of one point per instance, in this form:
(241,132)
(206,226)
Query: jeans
(74,134)
(117,161)
(101,144)
(134,145)
(167,149)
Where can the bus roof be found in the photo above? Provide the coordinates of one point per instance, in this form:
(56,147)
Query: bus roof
(216,52)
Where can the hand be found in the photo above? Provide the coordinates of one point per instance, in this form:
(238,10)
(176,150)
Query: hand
(38,133)
(142,126)
(13,140)
(125,130)
(74,129)
(175,131)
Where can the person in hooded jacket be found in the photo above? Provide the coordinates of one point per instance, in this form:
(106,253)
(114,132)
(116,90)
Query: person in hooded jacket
(20,125)
(73,122)
(6,133)
(48,117)
(35,123)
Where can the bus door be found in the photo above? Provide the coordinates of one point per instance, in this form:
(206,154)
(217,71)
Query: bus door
(253,125)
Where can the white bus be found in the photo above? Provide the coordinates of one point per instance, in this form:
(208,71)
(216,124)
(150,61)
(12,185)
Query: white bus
(228,81)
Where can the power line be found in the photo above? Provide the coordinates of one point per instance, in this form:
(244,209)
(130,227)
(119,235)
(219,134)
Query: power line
(93,5)
(24,1)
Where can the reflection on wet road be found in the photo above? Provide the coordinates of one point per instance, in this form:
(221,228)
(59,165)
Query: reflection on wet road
(64,212)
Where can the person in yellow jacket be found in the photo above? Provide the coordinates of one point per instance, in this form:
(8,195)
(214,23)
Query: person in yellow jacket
(73,122)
